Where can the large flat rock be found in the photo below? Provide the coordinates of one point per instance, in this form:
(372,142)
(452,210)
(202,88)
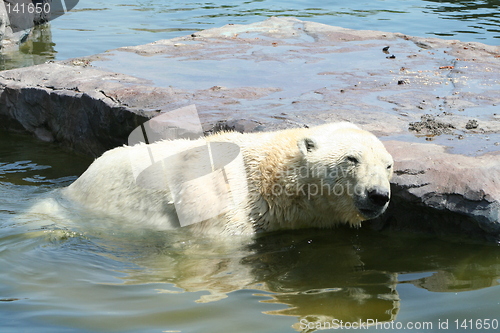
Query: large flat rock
(433,101)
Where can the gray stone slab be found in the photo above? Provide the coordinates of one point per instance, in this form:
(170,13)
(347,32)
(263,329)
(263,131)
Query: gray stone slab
(434,101)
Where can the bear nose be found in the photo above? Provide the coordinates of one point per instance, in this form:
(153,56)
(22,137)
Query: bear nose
(378,196)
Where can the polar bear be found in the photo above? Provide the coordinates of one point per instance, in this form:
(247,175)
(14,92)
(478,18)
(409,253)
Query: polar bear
(296,178)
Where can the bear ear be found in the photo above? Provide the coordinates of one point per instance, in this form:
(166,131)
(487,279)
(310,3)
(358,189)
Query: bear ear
(307,145)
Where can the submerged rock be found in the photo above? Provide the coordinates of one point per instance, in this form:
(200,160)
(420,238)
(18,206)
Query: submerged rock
(282,73)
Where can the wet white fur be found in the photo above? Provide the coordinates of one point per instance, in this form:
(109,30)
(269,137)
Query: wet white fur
(272,161)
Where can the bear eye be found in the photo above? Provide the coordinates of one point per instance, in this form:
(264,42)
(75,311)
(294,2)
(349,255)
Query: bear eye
(389,166)
(353,159)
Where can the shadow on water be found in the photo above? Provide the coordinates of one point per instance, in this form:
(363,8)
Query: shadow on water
(26,161)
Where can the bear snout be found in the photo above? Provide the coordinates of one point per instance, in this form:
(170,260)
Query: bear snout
(373,202)
(378,196)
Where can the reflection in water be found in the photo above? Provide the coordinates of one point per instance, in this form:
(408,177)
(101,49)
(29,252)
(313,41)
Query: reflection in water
(454,281)
(343,274)
(37,49)
(322,276)
(483,15)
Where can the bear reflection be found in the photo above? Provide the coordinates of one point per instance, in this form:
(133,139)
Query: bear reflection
(319,275)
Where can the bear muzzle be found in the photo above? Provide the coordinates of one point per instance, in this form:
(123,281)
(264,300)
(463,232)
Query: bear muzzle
(373,202)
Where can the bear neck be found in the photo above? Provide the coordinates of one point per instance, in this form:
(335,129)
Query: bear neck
(285,191)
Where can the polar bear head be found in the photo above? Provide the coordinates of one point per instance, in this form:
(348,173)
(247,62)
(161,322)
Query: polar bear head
(351,167)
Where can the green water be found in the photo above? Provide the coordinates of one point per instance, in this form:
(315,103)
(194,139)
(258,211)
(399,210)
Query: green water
(75,272)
